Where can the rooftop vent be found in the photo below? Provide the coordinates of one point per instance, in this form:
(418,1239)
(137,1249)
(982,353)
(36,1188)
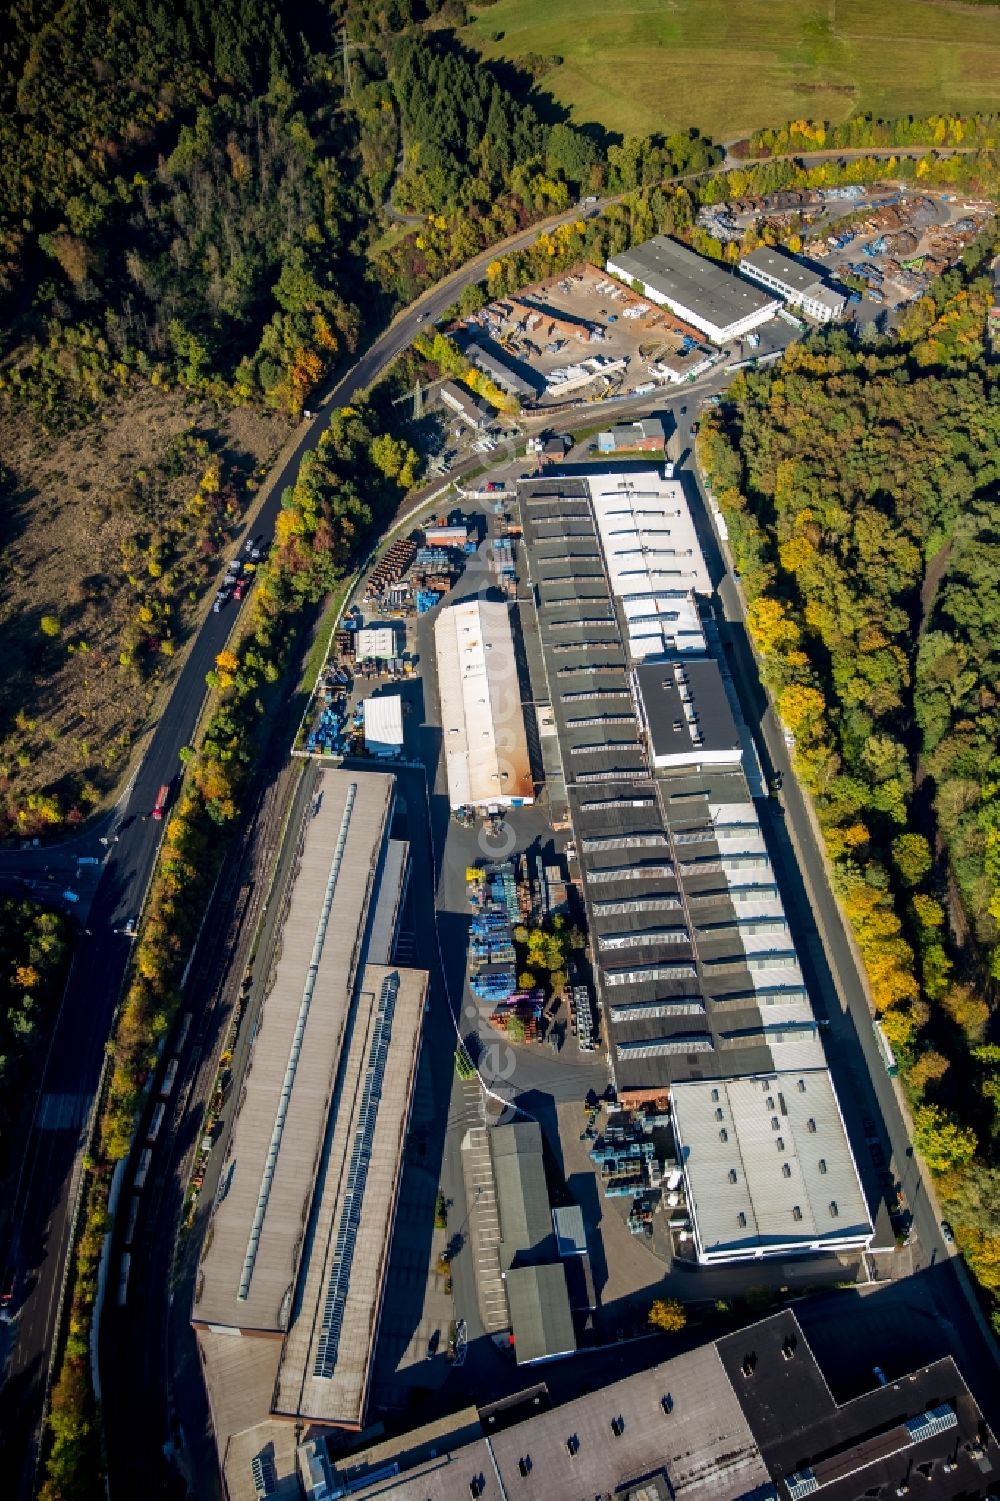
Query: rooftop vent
(786,1169)
(723,1134)
(796,1212)
(811,1126)
(741,1220)
(733,1175)
(524,1465)
(822,1164)
(749,1363)
(572,1445)
(618,1426)
(788,1347)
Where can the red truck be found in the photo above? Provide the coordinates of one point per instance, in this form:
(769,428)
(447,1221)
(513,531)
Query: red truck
(162,798)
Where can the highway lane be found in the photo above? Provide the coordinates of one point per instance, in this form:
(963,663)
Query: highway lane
(43,1209)
(44,1202)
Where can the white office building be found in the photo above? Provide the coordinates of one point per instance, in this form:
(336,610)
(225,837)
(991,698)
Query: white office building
(797,284)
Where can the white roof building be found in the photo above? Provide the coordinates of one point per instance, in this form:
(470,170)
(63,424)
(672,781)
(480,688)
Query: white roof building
(800,285)
(700,292)
(383,725)
(378,641)
(768,1168)
(486,752)
(653,558)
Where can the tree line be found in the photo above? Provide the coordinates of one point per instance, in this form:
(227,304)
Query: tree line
(346,490)
(859,482)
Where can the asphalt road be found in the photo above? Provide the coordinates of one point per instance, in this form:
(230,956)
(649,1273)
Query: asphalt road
(42,1205)
(864,1087)
(42,1208)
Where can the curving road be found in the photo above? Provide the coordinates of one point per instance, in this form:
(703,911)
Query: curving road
(111,893)
(42,1211)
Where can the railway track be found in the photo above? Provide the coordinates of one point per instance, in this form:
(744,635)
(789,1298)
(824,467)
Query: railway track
(146,1337)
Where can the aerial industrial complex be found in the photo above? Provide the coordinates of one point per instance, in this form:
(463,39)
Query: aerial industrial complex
(748,1416)
(694,963)
(289,1290)
(714,300)
(798,284)
(485,748)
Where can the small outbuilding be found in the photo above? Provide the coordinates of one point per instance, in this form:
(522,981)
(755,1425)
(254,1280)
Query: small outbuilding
(383,726)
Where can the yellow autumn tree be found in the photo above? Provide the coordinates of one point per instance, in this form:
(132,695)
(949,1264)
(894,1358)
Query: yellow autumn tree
(771,626)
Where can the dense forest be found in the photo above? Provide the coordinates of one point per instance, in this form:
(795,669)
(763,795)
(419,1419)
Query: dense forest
(860,482)
(193,192)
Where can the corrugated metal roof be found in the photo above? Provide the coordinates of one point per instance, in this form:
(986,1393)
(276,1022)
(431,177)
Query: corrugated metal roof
(384,722)
(522,1196)
(540,1317)
(328,1350)
(486,751)
(767,1162)
(694,284)
(254,1240)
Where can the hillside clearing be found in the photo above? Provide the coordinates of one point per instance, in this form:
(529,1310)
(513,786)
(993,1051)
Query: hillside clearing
(98,530)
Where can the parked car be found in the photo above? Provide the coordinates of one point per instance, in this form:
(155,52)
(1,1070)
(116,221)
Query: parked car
(240,590)
(947,1233)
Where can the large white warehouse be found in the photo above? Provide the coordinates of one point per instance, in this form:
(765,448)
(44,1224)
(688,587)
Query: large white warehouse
(486,752)
(767,1167)
(716,301)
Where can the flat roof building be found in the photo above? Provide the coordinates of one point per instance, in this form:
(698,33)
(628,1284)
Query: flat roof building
(647,435)
(767,1167)
(460,401)
(608,1441)
(696,969)
(383,725)
(701,292)
(485,747)
(541,1321)
(653,559)
(289,1289)
(797,284)
(748,1418)
(687,714)
(376,641)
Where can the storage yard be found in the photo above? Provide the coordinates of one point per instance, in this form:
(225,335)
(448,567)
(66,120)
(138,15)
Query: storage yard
(892,239)
(584,335)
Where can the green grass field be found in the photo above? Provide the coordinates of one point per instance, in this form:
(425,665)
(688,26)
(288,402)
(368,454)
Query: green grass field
(729,66)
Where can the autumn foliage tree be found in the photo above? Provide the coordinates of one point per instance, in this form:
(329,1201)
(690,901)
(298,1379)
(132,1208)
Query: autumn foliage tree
(668,1315)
